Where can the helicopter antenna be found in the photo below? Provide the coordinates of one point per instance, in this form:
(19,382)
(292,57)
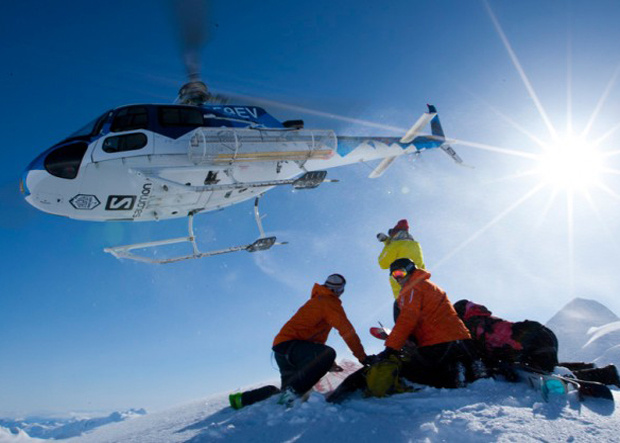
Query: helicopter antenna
(191,17)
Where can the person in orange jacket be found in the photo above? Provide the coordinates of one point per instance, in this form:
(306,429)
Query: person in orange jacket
(299,348)
(399,244)
(444,355)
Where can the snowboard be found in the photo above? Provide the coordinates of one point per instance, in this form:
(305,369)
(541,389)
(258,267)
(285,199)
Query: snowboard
(551,384)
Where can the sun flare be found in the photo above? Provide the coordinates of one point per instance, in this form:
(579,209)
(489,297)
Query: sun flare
(571,163)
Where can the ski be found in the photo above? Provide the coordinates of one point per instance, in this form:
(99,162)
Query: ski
(549,383)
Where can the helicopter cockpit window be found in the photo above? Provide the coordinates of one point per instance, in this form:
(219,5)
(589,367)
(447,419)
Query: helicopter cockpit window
(180,116)
(91,128)
(65,161)
(129,119)
(127,142)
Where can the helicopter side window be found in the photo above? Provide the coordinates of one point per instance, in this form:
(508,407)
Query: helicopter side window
(128,142)
(180,116)
(129,119)
(64,162)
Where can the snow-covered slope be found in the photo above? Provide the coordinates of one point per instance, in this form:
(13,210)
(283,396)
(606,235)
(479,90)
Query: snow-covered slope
(486,411)
(587,331)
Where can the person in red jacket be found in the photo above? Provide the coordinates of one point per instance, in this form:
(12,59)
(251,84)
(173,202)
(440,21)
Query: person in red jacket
(502,344)
(444,355)
(299,348)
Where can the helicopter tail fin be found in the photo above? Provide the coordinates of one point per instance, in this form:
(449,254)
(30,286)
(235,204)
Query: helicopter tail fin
(410,136)
(413,132)
(436,128)
(438,134)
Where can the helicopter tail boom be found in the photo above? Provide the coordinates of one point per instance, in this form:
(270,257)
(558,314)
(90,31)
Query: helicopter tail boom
(387,149)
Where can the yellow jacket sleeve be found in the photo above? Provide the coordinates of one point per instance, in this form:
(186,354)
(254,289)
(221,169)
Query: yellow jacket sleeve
(396,249)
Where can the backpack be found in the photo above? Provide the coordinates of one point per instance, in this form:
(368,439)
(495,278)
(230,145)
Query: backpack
(383,378)
(540,345)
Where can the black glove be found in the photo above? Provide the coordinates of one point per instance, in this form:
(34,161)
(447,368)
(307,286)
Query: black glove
(370,360)
(382,237)
(386,353)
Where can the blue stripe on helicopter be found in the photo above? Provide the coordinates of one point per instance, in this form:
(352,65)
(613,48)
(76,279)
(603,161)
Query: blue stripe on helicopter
(423,142)
(348,144)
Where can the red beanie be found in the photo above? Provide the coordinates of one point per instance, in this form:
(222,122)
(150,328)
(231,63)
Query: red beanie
(402,225)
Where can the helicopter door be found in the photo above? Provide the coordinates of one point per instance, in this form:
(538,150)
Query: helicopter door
(127,137)
(115,146)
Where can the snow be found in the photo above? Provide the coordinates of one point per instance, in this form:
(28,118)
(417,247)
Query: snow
(596,333)
(485,411)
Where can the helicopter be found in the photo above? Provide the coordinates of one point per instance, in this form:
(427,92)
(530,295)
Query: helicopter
(148,162)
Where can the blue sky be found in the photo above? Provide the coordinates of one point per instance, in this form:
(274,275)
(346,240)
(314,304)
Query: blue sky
(81,330)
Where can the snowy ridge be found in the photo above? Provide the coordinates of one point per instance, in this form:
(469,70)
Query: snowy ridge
(486,411)
(60,428)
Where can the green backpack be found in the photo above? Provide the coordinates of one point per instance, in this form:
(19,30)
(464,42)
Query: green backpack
(384,379)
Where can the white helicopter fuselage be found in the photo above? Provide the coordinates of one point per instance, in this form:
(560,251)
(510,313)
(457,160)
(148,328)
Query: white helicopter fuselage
(155,162)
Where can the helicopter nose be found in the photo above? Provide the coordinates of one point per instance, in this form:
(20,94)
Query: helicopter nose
(37,186)
(35,165)
(22,185)
(39,190)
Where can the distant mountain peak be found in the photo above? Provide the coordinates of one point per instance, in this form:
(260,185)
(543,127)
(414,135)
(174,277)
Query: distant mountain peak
(574,325)
(591,311)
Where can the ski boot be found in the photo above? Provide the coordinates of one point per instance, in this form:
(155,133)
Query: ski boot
(607,375)
(235,400)
(288,397)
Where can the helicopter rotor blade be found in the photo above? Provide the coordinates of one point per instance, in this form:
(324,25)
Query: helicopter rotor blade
(191,17)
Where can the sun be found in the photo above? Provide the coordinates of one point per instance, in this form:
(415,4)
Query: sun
(571,163)
(571,166)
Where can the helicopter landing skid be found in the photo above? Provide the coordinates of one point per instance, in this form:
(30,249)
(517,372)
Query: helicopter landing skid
(261,244)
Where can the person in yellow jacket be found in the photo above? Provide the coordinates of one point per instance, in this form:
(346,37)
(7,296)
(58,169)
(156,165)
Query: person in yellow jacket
(399,244)
(299,348)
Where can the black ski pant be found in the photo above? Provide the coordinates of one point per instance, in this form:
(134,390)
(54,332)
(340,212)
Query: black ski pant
(302,363)
(255,395)
(444,365)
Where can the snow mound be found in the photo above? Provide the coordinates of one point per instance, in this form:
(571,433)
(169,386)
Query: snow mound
(576,325)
